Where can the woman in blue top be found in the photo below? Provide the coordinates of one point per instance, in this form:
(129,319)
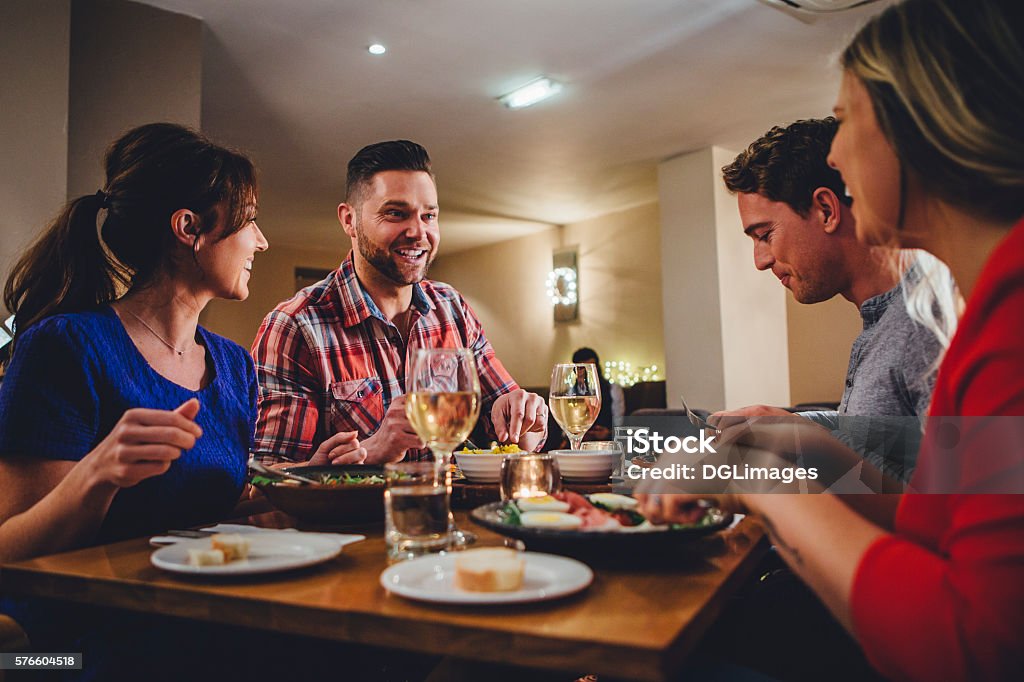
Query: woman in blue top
(121,416)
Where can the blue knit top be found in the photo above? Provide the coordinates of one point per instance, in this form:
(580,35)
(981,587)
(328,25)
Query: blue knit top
(72,377)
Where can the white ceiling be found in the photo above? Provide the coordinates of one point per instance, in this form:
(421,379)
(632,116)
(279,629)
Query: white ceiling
(291,82)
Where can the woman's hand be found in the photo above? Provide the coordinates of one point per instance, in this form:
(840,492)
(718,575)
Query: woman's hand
(143,444)
(341,448)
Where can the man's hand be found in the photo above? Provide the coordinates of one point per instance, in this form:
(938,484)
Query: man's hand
(394,436)
(341,448)
(520,417)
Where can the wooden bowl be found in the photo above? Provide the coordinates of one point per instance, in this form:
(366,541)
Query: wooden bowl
(334,505)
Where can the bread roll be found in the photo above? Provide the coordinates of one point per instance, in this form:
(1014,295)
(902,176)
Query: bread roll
(233,545)
(205,557)
(489,569)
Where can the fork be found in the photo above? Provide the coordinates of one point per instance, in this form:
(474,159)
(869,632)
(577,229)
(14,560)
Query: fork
(260,468)
(697,421)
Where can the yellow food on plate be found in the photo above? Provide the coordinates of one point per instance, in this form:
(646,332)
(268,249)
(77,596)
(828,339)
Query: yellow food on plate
(489,569)
(543,503)
(510,449)
(614,502)
(544,519)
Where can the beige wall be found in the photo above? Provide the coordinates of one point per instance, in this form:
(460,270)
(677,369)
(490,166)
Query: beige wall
(34,44)
(273,279)
(725,335)
(76,75)
(620,301)
(820,337)
(130,64)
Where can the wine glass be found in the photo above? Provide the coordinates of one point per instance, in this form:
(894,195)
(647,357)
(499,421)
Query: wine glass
(575,399)
(442,405)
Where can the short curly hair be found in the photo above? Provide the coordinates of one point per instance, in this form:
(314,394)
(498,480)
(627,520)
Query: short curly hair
(788,164)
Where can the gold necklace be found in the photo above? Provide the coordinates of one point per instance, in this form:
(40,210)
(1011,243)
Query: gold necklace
(153,332)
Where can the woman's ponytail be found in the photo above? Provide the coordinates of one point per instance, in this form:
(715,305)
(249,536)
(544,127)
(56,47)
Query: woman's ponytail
(67,269)
(151,172)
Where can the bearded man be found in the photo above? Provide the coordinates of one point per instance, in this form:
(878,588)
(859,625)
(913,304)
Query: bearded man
(332,360)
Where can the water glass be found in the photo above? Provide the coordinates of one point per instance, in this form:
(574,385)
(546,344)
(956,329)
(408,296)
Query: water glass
(416,509)
(529,476)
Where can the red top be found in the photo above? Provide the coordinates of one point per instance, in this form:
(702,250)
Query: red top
(942,598)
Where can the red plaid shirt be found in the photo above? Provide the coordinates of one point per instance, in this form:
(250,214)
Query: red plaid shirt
(328,360)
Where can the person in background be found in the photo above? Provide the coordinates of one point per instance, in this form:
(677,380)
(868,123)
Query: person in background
(333,359)
(795,209)
(612,400)
(932,151)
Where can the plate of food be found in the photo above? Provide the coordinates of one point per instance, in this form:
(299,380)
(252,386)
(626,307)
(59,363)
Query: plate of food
(484,466)
(599,523)
(487,575)
(238,554)
(340,495)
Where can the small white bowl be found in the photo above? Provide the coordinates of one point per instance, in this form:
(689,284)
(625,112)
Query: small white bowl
(480,467)
(586,465)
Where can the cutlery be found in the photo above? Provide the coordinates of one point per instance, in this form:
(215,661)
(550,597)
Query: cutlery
(695,420)
(260,468)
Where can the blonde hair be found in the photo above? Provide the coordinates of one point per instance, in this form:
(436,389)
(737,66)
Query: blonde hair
(946,79)
(931,296)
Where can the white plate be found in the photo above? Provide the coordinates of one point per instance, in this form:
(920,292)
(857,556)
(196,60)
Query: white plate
(432,579)
(268,552)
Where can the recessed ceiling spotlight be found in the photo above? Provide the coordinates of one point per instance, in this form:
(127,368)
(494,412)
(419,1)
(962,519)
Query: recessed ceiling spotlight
(535,91)
(377,48)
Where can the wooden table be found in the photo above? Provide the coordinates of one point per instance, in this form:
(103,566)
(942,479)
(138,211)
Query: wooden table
(636,622)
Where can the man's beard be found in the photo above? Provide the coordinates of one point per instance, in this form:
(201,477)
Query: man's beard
(384,262)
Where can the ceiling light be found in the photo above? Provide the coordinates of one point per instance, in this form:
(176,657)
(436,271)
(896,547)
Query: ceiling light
(531,93)
(377,48)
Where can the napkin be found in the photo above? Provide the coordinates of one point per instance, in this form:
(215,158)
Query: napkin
(342,538)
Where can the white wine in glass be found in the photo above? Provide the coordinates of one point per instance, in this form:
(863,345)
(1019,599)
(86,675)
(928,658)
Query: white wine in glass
(442,405)
(442,420)
(575,399)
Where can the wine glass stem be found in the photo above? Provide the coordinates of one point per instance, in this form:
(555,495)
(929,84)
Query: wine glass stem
(443,458)
(575,442)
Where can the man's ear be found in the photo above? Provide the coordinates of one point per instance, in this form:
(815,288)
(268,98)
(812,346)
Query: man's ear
(185,227)
(825,205)
(347,218)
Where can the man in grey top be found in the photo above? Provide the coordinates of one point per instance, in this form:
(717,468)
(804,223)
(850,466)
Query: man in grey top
(795,209)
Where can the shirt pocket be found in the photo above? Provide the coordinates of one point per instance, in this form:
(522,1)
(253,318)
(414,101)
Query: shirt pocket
(356,405)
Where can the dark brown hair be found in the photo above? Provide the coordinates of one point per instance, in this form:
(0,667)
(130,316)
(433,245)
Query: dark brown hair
(788,164)
(152,171)
(946,79)
(400,155)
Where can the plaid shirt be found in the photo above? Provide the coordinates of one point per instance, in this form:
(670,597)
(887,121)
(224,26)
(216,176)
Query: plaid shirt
(328,360)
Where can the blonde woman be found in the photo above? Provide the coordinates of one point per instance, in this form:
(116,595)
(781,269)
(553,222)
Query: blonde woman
(931,148)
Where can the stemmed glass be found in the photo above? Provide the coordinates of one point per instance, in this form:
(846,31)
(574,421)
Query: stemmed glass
(575,399)
(442,404)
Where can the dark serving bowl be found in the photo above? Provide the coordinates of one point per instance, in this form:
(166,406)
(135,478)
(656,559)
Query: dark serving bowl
(600,544)
(334,505)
